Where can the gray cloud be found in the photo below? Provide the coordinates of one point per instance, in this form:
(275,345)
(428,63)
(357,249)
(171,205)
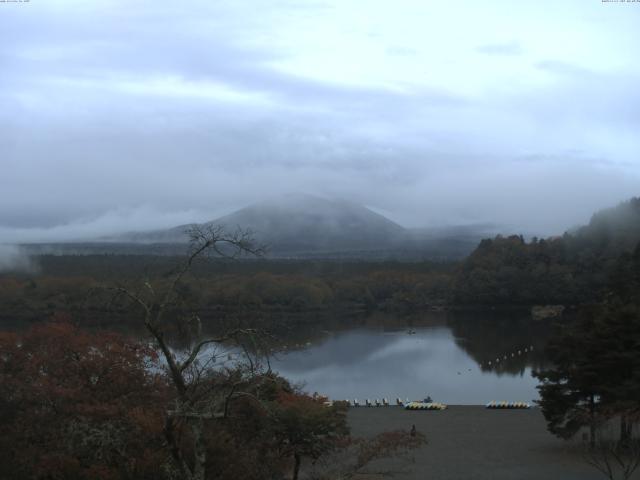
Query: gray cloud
(144,115)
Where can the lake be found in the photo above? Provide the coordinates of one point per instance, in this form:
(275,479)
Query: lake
(461,359)
(458,358)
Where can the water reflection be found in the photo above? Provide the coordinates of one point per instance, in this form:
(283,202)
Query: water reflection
(490,337)
(445,358)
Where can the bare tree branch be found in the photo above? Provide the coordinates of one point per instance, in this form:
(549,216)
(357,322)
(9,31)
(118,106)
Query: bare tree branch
(196,397)
(196,350)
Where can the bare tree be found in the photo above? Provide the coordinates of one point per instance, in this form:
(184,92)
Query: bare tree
(614,458)
(196,396)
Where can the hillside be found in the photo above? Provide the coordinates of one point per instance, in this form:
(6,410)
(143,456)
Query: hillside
(610,232)
(298,223)
(306,226)
(578,267)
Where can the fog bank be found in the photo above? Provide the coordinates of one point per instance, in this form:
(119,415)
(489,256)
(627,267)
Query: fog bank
(13,258)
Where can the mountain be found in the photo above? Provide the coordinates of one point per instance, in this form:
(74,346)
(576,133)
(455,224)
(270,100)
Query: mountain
(306,226)
(297,223)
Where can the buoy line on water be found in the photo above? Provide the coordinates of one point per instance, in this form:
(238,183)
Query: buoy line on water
(506,357)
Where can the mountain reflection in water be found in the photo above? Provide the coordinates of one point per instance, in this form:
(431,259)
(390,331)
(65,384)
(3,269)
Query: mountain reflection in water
(448,361)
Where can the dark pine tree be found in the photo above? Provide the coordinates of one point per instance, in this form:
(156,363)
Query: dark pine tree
(596,372)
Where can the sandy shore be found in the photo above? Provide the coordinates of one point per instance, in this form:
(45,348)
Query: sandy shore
(471,442)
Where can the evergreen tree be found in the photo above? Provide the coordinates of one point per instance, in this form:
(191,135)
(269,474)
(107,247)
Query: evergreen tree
(596,372)
(570,389)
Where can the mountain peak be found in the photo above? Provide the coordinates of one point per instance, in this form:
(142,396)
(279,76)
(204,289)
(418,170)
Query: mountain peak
(303,222)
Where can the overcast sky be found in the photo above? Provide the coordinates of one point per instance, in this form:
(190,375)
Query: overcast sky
(145,114)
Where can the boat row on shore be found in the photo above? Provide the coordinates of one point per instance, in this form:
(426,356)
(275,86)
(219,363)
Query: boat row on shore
(428,404)
(507,405)
(381,403)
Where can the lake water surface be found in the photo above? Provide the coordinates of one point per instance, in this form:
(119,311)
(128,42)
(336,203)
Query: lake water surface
(447,360)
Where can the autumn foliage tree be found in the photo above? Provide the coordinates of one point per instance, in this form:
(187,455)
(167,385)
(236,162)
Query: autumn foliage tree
(307,426)
(78,405)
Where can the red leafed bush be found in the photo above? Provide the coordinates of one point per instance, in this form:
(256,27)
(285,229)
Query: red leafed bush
(78,405)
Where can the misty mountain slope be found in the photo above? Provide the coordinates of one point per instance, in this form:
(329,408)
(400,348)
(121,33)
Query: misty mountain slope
(576,268)
(610,231)
(300,222)
(306,226)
